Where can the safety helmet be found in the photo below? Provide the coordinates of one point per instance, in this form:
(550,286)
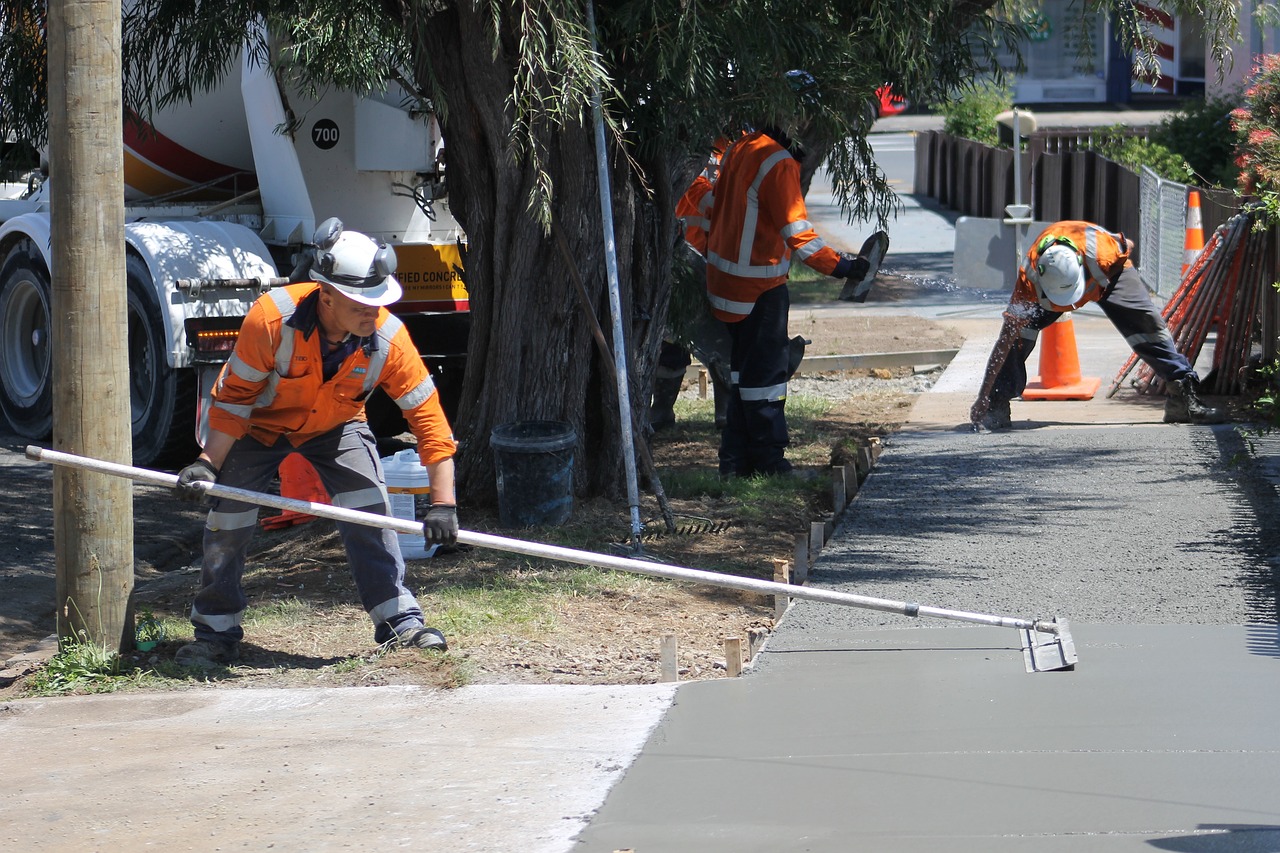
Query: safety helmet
(1060,274)
(358,266)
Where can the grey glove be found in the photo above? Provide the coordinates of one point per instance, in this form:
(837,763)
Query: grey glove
(200,471)
(440,526)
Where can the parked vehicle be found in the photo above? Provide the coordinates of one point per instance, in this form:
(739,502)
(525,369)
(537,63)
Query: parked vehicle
(222,197)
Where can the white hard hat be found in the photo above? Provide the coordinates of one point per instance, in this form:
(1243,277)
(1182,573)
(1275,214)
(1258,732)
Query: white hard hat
(356,265)
(1060,275)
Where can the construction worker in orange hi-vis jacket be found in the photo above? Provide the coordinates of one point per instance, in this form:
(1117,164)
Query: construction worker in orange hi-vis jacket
(307,358)
(1069,265)
(758,223)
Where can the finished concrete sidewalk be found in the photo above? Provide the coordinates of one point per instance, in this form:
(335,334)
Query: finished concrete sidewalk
(864,731)
(860,730)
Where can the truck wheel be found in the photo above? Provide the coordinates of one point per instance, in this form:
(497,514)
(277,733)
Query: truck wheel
(162,399)
(26,393)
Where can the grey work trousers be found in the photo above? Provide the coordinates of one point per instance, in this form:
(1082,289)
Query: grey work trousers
(346,460)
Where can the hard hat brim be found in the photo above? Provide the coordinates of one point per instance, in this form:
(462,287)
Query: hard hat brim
(1066,296)
(383,293)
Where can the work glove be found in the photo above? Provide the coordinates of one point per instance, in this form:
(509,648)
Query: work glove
(200,471)
(440,526)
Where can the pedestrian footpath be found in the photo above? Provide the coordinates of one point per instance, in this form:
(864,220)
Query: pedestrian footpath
(864,730)
(854,730)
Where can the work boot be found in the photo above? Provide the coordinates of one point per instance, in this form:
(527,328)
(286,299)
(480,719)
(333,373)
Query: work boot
(207,654)
(866,268)
(421,638)
(998,418)
(1184,405)
(662,413)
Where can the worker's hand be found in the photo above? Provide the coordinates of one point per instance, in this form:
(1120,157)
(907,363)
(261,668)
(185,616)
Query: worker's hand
(440,526)
(200,471)
(844,267)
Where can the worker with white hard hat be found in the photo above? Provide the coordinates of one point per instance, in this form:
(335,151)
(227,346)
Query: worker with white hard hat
(1069,265)
(306,360)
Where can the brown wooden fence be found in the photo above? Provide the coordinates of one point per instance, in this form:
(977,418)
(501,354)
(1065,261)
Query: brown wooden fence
(1061,179)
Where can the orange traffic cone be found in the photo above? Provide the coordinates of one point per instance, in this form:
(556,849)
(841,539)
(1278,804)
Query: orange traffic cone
(1194,243)
(1059,377)
(298,480)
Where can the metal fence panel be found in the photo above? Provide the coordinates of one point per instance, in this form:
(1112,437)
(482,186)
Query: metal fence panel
(1164,232)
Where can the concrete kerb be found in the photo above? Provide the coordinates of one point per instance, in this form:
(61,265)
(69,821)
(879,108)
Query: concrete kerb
(846,480)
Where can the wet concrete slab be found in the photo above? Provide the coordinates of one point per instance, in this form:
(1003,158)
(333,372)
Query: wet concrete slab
(936,739)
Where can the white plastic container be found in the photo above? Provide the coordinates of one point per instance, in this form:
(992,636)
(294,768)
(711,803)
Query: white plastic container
(408,484)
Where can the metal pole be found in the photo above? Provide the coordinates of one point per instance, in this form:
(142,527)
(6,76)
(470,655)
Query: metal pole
(1017,214)
(553,552)
(615,300)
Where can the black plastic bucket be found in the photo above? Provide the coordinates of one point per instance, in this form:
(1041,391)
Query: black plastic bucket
(534,460)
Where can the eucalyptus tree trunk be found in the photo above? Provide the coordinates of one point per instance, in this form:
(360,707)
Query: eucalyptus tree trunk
(531,354)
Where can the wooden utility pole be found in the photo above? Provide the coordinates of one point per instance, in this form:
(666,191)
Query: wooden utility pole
(93,513)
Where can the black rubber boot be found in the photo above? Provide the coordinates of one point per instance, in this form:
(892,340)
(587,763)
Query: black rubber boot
(1184,405)
(998,417)
(662,413)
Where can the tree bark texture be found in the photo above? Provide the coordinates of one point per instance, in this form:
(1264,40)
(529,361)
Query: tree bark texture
(531,353)
(93,513)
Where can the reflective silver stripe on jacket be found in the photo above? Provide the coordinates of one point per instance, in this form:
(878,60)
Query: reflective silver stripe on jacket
(730,306)
(420,394)
(809,248)
(378,359)
(742,266)
(1091,264)
(240,368)
(284,349)
(704,207)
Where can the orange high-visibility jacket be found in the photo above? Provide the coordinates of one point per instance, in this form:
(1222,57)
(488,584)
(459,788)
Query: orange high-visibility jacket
(273,384)
(758,220)
(694,209)
(1104,254)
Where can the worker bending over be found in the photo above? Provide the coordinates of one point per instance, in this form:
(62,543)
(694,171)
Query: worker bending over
(1069,265)
(306,360)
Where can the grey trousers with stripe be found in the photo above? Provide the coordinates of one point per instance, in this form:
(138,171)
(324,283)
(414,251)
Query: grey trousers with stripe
(346,460)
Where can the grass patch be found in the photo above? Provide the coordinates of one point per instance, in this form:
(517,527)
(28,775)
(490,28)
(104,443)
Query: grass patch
(809,286)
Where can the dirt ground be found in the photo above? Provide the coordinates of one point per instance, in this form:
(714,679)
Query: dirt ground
(599,634)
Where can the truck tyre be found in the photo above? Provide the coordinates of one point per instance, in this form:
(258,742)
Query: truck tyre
(162,399)
(26,368)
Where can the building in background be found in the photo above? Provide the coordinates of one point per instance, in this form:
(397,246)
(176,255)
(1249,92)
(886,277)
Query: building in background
(1074,56)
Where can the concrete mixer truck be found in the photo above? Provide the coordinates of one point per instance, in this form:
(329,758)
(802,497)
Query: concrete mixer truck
(222,197)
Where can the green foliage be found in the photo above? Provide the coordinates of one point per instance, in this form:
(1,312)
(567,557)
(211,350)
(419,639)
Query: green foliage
(972,112)
(1133,152)
(1200,131)
(79,665)
(1257,122)
(148,630)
